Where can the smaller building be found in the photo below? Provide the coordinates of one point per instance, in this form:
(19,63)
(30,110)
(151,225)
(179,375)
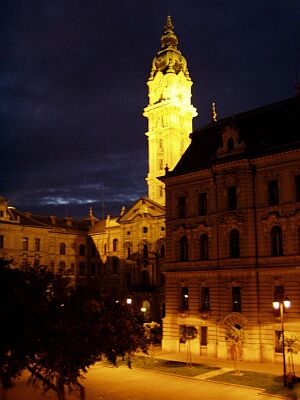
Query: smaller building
(132,249)
(58,245)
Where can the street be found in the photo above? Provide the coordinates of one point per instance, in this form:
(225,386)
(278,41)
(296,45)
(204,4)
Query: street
(109,383)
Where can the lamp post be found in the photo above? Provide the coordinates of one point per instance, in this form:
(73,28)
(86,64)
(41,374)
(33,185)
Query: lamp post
(282,305)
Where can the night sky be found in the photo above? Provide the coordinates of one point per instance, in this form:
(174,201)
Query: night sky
(73,88)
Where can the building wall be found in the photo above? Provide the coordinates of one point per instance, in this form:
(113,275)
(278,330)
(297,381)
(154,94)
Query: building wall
(255,271)
(61,250)
(131,251)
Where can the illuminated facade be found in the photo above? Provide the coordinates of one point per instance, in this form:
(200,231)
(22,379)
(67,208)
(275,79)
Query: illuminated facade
(233,235)
(169,112)
(58,245)
(132,247)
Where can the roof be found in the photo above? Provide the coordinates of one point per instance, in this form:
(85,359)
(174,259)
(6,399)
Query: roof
(66,224)
(266,130)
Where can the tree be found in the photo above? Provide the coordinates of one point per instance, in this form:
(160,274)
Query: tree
(57,331)
(291,343)
(20,308)
(235,338)
(152,334)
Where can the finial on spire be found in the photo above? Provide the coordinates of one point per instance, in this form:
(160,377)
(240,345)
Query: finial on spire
(169,27)
(214,112)
(169,39)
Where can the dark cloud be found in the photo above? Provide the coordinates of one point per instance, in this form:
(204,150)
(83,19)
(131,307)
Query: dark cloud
(73,87)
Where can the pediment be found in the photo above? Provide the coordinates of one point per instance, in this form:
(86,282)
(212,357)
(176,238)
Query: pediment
(142,208)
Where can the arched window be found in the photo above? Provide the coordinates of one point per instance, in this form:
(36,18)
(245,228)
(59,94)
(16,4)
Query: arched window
(128,250)
(115,244)
(230,145)
(62,249)
(276,241)
(162,250)
(72,269)
(183,248)
(93,269)
(203,247)
(234,243)
(82,250)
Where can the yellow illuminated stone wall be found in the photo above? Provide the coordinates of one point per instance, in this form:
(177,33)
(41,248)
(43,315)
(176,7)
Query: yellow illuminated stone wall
(169,112)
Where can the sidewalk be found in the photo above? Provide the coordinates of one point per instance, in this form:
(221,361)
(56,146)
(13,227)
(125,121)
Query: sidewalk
(272,368)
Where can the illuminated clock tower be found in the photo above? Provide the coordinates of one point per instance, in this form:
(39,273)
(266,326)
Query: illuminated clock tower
(169,112)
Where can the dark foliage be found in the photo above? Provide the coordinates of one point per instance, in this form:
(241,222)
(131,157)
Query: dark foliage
(56,331)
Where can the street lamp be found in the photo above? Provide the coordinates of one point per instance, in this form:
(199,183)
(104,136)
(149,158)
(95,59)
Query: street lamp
(282,305)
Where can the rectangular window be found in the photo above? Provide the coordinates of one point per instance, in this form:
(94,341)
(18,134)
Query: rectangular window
(82,270)
(184,298)
(182,333)
(160,164)
(203,338)
(72,269)
(273,193)
(278,292)
(297,186)
(37,244)
(236,299)
(278,341)
(232,197)
(25,244)
(205,299)
(181,207)
(161,191)
(1,242)
(202,203)
(52,265)
(93,269)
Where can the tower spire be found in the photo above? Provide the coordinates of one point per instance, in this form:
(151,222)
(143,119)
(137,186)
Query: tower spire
(214,112)
(169,112)
(169,39)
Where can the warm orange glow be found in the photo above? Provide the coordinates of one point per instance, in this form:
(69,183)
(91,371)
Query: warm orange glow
(276,305)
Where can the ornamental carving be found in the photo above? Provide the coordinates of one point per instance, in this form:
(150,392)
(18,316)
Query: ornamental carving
(231,218)
(231,142)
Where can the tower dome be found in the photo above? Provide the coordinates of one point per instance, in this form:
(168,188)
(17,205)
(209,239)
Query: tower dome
(169,58)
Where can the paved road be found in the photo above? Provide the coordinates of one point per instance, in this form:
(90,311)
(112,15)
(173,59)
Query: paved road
(107,383)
